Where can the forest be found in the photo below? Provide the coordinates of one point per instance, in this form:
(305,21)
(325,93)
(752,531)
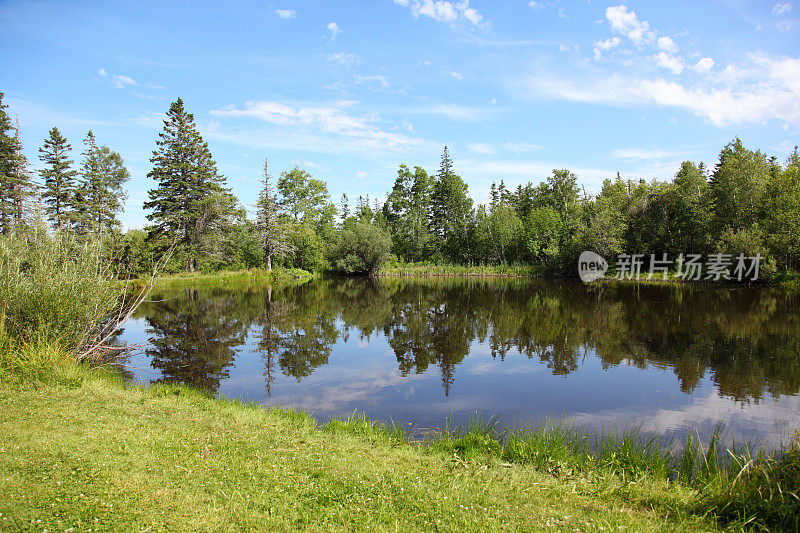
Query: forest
(747,203)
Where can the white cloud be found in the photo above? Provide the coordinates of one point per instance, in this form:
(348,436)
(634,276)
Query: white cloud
(758,89)
(627,23)
(334,29)
(704,65)
(520,147)
(453,74)
(443,10)
(481,148)
(378,78)
(726,106)
(491,149)
(345,59)
(605,46)
(458,112)
(325,119)
(667,44)
(120,81)
(781,9)
(102,72)
(669,62)
(286,13)
(784,70)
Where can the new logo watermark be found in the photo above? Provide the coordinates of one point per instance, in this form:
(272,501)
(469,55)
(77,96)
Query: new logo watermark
(591,266)
(687,267)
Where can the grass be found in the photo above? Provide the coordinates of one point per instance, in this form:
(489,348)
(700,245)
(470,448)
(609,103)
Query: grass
(253,276)
(83,450)
(54,287)
(443,270)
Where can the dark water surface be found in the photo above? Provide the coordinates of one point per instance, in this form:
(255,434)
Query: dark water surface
(666,359)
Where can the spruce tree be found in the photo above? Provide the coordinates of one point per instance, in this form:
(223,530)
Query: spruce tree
(100,195)
(272,233)
(7,152)
(16,185)
(345,207)
(451,209)
(59,180)
(24,187)
(190,198)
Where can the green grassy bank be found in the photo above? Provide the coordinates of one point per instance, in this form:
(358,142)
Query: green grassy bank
(83,450)
(436,270)
(254,276)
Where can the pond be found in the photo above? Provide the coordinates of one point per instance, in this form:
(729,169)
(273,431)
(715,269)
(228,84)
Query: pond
(666,359)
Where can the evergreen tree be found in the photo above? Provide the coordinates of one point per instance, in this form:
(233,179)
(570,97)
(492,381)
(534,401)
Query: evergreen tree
(16,185)
(99,195)
(737,187)
(451,211)
(272,233)
(345,207)
(190,200)
(24,187)
(59,180)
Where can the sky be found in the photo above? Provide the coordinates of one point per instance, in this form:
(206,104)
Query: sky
(351,90)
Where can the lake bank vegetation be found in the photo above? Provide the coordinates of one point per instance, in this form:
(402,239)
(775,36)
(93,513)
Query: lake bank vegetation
(428,224)
(114,456)
(91,450)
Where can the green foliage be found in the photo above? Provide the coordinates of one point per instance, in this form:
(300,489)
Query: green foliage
(190,201)
(16,184)
(451,212)
(308,248)
(54,288)
(782,212)
(362,248)
(737,186)
(99,196)
(305,199)
(59,180)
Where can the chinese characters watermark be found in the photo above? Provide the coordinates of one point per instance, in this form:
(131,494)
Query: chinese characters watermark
(686,267)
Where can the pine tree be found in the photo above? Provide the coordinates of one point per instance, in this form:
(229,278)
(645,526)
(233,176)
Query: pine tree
(190,198)
(272,231)
(15,181)
(7,152)
(59,180)
(345,206)
(99,196)
(451,211)
(24,186)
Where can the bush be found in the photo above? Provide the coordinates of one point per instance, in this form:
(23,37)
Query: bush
(362,248)
(54,288)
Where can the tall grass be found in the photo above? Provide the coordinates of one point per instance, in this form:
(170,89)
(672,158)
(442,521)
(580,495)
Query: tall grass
(424,269)
(737,485)
(54,288)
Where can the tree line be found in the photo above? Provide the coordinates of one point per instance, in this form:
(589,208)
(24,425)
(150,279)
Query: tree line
(748,203)
(745,341)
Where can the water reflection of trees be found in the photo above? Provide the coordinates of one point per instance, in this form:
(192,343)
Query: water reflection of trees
(747,341)
(193,337)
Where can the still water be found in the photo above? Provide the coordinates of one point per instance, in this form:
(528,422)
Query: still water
(665,359)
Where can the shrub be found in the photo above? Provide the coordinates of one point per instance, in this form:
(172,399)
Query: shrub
(54,288)
(362,248)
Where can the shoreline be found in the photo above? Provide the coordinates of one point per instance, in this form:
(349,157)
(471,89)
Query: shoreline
(92,420)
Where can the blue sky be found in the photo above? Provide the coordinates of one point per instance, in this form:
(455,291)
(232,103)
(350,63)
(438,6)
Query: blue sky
(350,90)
